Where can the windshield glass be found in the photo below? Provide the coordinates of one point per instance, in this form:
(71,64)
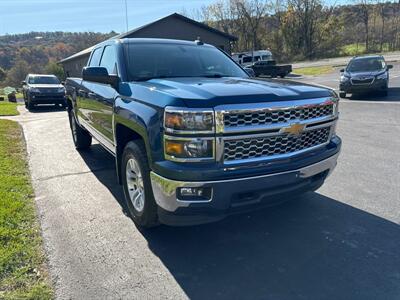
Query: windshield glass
(366,65)
(44,80)
(146,61)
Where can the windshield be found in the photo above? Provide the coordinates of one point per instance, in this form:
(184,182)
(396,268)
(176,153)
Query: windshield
(366,65)
(146,61)
(44,80)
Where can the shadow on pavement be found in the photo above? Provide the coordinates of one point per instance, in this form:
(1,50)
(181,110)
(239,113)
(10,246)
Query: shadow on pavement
(46,108)
(313,247)
(393,96)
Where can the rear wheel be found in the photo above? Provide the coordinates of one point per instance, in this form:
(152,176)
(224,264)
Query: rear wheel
(342,95)
(82,139)
(138,193)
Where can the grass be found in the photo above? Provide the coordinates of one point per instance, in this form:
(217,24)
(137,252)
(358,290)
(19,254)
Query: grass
(353,50)
(22,261)
(359,49)
(313,71)
(8,109)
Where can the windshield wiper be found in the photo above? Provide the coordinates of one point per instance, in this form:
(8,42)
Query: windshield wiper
(215,75)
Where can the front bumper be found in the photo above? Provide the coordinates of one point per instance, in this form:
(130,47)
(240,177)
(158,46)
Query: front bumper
(40,98)
(376,85)
(235,195)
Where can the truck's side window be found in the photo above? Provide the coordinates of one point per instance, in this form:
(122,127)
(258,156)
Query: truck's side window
(108,60)
(95,60)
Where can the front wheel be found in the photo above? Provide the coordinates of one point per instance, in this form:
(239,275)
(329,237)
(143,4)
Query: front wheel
(82,139)
(342,95)
(138,193)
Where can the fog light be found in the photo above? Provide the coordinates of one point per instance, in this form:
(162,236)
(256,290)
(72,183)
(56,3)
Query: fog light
(194,193)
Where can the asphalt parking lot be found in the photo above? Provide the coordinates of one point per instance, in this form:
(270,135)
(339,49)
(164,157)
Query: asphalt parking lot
(341,242)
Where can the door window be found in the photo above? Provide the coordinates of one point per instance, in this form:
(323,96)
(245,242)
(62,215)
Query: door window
(108,60)
(95,60)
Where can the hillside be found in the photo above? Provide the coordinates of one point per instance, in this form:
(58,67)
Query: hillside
(38,52)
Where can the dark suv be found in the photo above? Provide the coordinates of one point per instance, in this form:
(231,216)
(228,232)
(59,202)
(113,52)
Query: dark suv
(43,89)
(365,73)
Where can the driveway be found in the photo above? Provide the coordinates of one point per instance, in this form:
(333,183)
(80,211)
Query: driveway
(341,242)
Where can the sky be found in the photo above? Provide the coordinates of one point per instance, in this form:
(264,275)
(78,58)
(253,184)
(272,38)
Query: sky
(21,16)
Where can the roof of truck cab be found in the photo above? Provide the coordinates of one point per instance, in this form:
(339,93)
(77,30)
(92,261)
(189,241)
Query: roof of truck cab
(42,75)
(158,41)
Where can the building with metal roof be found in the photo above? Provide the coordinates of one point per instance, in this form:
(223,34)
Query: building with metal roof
(174,26)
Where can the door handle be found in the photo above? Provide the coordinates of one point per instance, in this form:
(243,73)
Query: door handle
(81,93)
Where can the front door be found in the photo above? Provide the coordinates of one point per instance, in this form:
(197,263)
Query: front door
(101,115)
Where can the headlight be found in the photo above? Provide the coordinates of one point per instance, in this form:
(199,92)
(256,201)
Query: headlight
(188,149)
(344,78)
(382,76)
(188,120)
(60,90)
(35,90)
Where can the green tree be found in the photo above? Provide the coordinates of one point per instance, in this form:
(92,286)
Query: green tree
(17,73)
(55,69)
(2,74)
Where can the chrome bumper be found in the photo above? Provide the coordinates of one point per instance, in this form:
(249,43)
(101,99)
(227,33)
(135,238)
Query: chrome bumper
(164,189)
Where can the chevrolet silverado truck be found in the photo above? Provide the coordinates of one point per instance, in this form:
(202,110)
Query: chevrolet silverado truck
(194,137)
(43,89)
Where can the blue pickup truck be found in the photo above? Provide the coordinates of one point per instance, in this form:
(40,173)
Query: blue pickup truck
(194,137)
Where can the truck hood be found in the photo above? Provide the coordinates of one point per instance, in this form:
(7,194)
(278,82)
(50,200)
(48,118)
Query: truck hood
(46,86)
(209,92)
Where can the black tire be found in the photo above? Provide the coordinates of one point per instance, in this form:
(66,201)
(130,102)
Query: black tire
(342,95)
(147,217)
(31,106)
(282,75)
(82,139)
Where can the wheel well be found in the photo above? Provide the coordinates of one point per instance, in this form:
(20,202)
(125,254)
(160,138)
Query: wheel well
(69,104)
(123,135)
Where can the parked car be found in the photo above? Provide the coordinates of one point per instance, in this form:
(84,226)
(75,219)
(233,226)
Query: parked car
(365,74)
(270,68)
(43,89)
(194,137)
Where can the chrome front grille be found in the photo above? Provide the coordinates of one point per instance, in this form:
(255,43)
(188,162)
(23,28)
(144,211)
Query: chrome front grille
(364,81)
(268,117)
(272,130)
(277,145)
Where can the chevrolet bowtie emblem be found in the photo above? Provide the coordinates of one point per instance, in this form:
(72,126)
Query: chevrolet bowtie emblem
(293,129)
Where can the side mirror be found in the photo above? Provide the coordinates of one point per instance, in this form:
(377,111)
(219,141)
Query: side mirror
(23,82)
(100,75)
(389,67)
(250,72)
(63,82)
(341,70)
